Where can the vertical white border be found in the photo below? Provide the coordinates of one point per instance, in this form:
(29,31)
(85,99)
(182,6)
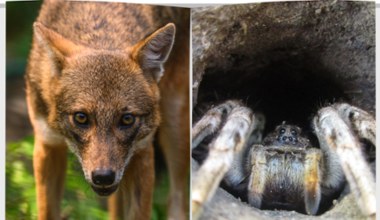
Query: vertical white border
(2,109)
(377,64)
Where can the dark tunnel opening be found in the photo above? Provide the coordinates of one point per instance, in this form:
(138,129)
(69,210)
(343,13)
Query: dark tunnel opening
(290,89)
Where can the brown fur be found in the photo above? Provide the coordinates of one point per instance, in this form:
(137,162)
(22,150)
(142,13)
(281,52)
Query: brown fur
(100,59)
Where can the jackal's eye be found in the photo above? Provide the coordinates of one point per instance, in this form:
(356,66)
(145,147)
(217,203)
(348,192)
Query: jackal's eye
(80,118)
(127,120)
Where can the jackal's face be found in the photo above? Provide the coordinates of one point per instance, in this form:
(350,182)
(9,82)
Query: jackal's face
(107,110)
(106,103)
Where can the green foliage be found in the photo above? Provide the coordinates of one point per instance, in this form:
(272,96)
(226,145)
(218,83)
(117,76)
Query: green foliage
(19,22)
(20,202)
(79,202)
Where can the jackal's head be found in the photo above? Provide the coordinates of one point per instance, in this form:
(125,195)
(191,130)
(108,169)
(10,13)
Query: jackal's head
(104,102)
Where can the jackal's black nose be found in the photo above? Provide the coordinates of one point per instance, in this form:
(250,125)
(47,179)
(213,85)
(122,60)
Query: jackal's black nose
(103,177)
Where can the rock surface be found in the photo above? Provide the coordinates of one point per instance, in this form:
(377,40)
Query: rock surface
(340,36)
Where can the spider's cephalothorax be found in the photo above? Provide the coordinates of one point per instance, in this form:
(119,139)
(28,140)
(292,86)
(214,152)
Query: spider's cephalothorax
(286,134)
(285,171)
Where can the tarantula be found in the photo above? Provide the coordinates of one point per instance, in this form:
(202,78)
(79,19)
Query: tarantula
(284,170)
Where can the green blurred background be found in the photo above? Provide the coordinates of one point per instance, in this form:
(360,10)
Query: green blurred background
(79,202)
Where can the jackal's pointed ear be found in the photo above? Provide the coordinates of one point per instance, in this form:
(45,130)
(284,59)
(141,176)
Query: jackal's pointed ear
(57,47)
(152,52)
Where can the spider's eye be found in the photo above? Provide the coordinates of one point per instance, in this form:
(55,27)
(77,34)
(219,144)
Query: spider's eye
(294,132)
(127,120)
(80,118)
(282,130)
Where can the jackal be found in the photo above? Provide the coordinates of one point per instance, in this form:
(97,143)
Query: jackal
(95,84)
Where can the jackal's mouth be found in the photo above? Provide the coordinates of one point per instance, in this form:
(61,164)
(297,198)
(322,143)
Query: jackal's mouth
(104,191)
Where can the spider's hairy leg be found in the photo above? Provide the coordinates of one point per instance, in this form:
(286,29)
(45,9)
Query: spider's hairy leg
(312,179)
(211,121)
(239,170)
(256,136)
(361,122)
(231,138)
(256,185)
(337,138)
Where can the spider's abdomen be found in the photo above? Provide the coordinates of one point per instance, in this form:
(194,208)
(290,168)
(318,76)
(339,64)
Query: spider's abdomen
(279,176)
(284,180)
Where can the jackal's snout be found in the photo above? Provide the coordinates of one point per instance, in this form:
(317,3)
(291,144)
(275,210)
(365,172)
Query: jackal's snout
(103,181)
(103,177)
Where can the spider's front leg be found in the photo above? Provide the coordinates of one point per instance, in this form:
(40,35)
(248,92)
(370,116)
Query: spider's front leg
(257,179)
(211,121)
(233,123)
(336,127)
(312,180)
